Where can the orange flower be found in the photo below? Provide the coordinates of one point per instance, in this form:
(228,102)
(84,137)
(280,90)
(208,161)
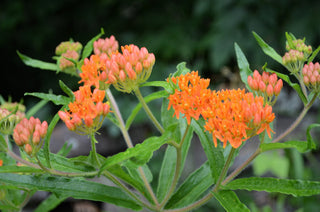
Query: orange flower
(191,97)
(87,111)
(1,162)
(234,116)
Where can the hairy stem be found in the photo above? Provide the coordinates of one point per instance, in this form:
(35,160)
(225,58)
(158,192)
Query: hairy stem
(148,111)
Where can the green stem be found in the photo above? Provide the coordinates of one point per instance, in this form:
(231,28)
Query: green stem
(93,147)
(148,111)
(127,190)
(224,170)
(297,121)
(128,141)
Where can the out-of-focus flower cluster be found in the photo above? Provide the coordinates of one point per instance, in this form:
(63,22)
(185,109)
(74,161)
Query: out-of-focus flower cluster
(107,46)
(311,76)
(231,115)
(266,85)
(10,115)
(28,134)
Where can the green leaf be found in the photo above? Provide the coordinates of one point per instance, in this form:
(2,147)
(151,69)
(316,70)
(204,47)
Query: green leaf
(74,187)
(290,40)
(36,108)
(230,201)
(67,90)
(65,149)
(277,164)
(19,169)
(295,86)
(268,50)
(164,84)
(149,98)
(284,186)
(192,188)
(301,146)
(314,54)
(214,154)
(89,46)
(166,174)
(3,144)
(243,65)
(181,69)
(37,63)
(56,99)
(140,154)
(311,143)
(50,203)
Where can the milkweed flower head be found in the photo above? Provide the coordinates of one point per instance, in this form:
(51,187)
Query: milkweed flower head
(94,71)
(107,46)
(234,116)
(65,64)
(65,46)
(311,76)
(29,134)
(300,45)
(266,85)
(190,96)
(127,70)
(87,112)
(293,60)
(10,115)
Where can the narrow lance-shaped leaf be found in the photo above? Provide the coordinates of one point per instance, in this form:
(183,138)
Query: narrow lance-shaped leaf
(268,50)
(89,46)
(230,201)
(67,90)
(74,187)
(192,188)
(37,63)
(214,154)
(50,203)
(243,65)
(56,99)
(311,143)
(314,54)
(284,186)
(36,108)
(301,146)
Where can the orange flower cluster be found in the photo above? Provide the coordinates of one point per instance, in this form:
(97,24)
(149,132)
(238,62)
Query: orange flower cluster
(1,162)
(191,96)
(235,116)
(311,76)
(124,71)
(107,46)
(29,133)
(231,115)
(87,111)
(266,85)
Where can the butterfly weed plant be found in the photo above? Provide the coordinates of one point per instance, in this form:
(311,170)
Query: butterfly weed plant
(223,120)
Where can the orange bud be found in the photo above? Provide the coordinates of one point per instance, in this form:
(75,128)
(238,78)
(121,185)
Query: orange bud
(265,77)
(269,90)
(88,121)
(28,149)
(36,137)
(262,86)
(256,75)
(277,88)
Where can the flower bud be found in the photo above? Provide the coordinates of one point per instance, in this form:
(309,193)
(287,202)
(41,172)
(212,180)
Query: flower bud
(277,88)
(28,149)
(269,90)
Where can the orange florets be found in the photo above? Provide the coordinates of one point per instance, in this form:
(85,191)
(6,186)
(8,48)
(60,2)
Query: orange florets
(87,111)
(191,96)
(237,116)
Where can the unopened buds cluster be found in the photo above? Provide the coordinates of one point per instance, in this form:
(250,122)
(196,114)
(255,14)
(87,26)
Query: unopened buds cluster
(300,46)
(128,70)
(68,53)
(311,76)
(10,115)
(266,85)
(107,46)
(29,134)
(87,112)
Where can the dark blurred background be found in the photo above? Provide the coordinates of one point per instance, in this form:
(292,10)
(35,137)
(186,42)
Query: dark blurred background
(202,33)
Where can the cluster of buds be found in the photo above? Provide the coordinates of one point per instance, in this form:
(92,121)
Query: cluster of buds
(266,85)
(107,46)
(65,46)
(10,115)
(128,70)
(311,76)
(300,46)
(87,112)
(293,60)
(29,134)
(69,53)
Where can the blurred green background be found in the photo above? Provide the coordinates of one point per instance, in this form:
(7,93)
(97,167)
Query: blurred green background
(202,33)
